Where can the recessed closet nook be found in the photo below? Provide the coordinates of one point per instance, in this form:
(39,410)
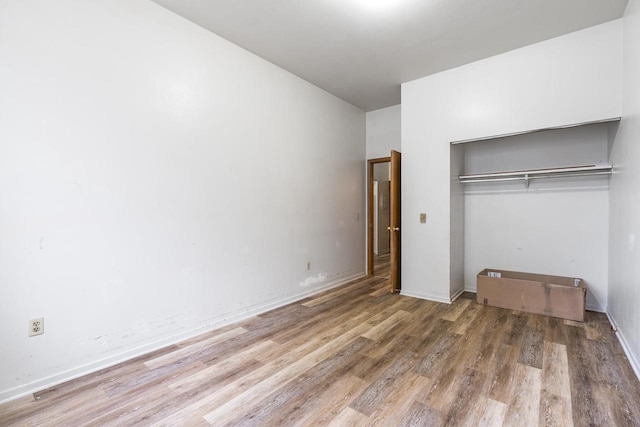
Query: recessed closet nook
(537,202)
(556,226)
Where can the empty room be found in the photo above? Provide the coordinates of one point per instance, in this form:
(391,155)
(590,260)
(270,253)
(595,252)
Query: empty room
(448,239)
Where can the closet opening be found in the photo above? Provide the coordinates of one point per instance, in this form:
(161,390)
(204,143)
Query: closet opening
(534,202)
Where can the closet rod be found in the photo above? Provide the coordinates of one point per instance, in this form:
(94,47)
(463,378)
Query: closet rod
(537,173)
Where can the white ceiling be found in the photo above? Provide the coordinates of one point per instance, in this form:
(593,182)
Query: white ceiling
(362,50)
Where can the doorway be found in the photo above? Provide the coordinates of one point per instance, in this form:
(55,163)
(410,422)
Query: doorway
(383,199)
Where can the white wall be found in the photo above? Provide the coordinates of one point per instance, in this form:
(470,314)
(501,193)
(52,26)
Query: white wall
(155,181)
(381,176)
(381,216)
(382,171)
(569,79)
(382,135)
(383,132)
(555,226)
(457,234)
(624,197)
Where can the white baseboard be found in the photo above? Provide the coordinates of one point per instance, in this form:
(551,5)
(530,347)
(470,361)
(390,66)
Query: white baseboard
(633,361)
(97,365)
(596,308)
(457,294)
(429,297)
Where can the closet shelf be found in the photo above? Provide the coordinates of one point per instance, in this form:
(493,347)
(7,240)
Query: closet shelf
(526,132)
(526,175)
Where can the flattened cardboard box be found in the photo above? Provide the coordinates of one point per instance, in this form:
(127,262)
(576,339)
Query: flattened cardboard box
(556,296)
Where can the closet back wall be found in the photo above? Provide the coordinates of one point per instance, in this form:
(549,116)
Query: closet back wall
(556,226)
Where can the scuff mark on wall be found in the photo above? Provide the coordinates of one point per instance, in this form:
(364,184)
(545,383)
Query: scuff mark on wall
(101,340)
(313,280)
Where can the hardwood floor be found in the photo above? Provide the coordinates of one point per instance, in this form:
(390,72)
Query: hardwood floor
(359,355)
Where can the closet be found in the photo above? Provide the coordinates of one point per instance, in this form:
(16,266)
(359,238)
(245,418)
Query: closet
(536,202)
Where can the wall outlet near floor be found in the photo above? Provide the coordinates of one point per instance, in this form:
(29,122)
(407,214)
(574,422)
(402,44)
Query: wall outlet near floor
(308,265)
(36,326)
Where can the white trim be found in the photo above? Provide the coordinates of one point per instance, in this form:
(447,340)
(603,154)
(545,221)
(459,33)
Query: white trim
(435,298)
(88,368)
(595,307)
(457,294)
(633,361)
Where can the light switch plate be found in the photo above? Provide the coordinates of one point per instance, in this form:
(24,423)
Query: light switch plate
(423,218)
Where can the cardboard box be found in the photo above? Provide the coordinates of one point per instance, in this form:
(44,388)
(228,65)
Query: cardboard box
(556,296)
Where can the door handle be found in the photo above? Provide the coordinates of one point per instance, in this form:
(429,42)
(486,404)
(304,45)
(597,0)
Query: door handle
(393,228)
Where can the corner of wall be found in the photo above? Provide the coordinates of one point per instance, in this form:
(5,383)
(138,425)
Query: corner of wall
(633,361)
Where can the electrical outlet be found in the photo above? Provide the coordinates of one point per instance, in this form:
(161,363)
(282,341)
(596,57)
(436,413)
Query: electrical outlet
(36,327)
(308,265)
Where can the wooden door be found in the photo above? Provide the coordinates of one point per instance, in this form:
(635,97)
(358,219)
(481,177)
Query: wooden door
(394,226)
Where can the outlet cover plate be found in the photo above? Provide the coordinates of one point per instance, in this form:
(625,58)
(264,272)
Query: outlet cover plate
(36,326)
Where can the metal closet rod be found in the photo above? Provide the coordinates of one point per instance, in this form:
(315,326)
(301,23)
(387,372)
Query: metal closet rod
(537,173)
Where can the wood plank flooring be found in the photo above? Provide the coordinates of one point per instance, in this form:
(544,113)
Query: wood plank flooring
(359,355)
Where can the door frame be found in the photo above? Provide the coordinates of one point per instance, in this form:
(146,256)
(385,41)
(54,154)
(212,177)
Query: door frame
(371,163)
(395,223)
